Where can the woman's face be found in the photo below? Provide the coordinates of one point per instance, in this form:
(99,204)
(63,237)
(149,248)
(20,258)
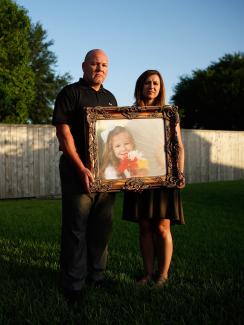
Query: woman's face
(151,88)
(121,145)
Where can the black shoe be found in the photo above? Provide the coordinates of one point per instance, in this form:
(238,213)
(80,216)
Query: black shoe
(72,296)
(95,283)
(100,283)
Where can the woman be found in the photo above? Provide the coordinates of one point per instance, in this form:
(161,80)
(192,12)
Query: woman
(157,209)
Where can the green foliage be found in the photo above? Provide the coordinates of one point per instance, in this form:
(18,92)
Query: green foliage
(213,98)
(16,76)
(28,83)
(206,280)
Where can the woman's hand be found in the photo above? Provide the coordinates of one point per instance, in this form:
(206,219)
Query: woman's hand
(182,181)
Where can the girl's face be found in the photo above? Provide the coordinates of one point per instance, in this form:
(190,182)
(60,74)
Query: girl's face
(151,88)
(121,145)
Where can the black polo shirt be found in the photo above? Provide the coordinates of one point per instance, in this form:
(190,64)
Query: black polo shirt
(69,109)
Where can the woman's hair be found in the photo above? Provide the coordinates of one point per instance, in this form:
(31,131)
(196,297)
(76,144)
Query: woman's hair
(138,94)
(109,157)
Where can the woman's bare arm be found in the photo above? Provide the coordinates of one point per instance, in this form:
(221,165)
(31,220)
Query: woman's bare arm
(181,156)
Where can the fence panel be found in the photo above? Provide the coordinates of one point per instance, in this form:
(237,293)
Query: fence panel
(29,156)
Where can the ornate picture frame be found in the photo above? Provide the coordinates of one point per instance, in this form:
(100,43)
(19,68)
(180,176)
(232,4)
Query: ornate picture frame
(132,148)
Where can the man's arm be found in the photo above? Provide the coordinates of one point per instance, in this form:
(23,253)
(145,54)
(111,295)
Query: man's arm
(67,144)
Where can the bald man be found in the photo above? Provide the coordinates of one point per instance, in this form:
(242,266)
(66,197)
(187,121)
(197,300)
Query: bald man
(86,217)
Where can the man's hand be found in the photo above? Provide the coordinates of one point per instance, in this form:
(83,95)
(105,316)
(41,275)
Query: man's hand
(86,178)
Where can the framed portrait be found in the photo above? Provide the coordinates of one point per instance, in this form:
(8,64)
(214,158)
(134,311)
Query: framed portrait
(132,148)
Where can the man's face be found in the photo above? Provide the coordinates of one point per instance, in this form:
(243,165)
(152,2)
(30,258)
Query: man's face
(95,69)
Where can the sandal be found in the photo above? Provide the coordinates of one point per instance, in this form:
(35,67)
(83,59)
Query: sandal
(160,281)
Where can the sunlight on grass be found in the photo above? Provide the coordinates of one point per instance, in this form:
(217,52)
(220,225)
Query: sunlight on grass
(28,252)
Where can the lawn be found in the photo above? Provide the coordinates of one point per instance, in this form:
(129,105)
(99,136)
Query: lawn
(206,278)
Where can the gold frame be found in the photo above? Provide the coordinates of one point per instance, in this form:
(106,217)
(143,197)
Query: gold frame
(170,116)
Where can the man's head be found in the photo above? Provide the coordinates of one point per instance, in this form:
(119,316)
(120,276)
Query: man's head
(95,68)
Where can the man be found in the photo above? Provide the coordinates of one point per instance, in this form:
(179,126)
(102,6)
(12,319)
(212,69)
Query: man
(86,217)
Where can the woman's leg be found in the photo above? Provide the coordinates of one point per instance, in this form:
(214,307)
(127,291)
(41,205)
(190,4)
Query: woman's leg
(147,247)
(163,247)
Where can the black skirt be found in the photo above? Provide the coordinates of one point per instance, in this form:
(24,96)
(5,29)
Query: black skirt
(160,203)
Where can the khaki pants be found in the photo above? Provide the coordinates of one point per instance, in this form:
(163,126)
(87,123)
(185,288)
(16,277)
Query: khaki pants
(86,229)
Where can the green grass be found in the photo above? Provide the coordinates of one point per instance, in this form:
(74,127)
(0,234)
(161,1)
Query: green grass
(206,278)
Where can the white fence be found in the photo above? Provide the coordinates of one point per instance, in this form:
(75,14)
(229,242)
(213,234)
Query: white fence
(29,158)
(213,155)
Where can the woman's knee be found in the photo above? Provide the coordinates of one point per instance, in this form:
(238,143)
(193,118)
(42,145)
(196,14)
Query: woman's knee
(163,228)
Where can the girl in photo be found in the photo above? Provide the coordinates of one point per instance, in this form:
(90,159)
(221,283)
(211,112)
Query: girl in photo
(120,157)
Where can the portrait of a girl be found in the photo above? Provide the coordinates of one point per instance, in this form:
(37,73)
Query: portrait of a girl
(120,157)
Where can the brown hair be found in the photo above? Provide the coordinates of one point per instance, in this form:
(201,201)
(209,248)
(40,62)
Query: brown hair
(138,94)
(109,157)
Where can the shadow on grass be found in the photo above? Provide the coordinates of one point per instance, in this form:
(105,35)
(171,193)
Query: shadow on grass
(29,293)
(206,280)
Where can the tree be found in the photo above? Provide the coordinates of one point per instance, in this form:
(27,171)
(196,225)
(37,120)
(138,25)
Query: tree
(28,83)
(213,98)
(16,76)
(46,83)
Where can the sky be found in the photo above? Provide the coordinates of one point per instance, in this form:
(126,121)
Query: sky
(175,37)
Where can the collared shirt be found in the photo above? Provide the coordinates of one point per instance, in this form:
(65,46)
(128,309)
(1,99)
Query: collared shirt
(69,109)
